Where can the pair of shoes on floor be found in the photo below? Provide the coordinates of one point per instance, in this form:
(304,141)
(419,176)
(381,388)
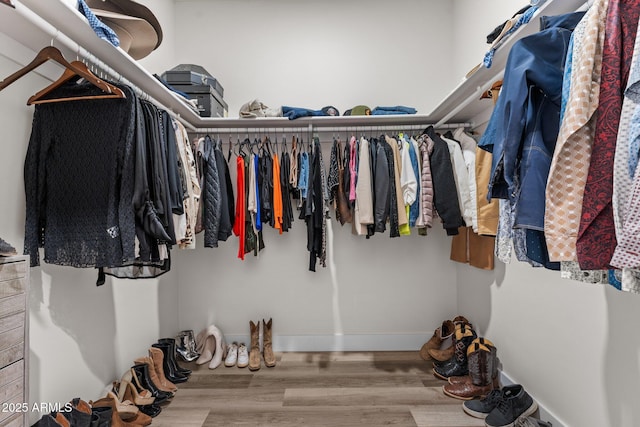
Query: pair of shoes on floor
(211,346)
(237,355)
(6,249)
(440,346)
(502,408)
(267,345)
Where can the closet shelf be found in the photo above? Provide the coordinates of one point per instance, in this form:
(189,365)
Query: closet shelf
(463,103)
(320,122)
(35,24)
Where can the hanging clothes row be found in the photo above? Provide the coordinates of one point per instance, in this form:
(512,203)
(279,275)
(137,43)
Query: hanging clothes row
(116,183)
(564,145)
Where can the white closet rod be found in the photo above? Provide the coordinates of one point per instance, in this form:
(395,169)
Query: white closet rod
(58,37)
(336,129)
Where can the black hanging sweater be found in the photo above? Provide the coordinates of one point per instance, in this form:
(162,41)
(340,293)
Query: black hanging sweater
(79,173)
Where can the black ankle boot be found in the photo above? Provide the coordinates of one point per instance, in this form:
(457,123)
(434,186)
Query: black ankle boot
(172,345)
(152,410)
(141,372)
(101,416)
(80,414)
(170,370)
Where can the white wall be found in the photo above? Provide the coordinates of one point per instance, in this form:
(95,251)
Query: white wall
(574,346)
(472,22)
(81,337)
(314,54)
(381,293)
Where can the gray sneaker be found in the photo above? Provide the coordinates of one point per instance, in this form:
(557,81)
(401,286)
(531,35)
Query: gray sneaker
(6,249)
(480,408)
(515,403)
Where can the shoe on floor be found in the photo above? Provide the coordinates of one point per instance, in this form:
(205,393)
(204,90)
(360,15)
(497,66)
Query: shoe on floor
(480,408)
(6,249)
(243,356)
(515,403)
(232,355)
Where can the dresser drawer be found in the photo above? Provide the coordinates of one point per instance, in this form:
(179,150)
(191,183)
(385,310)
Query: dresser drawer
(12,336)
(13,270)
(12,287)
(11,373)
(11,322)
(15,402)
(17,420)
(12,305)
(11,354)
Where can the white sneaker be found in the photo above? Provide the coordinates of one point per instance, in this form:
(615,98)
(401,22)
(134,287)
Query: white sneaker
(232,355)
(243,356)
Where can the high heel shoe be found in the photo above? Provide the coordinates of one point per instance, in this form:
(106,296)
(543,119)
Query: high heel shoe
(169,368)
(126,408)
(172,355)
(108,405)
(186,346)
(157,356)
(212,345)
(128,391)
(142,380)
(153,375)
(150,409)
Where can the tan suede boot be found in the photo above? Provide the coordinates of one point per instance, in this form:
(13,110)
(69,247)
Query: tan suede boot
(447,348)
(267,350)
(254,353)
(439,335)
(153,374)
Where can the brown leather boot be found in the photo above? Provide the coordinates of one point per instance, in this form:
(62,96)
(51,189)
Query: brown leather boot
(254,353)
(447,348)
(494,374)
(481,360)
(440,335)
(157,356)
(267,350)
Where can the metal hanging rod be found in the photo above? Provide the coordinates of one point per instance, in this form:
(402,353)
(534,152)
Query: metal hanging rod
(320,129)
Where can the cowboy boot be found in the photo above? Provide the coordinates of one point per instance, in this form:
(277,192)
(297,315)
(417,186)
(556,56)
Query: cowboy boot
(440,336)
(457,365)
(267,350)
(495,365)
(254,353)
(446,349)
(480,361)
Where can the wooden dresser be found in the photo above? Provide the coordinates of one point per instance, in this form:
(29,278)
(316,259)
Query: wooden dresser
(14,341)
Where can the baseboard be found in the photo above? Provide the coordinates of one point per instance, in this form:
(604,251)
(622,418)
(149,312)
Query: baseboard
(351,342)
(545,414)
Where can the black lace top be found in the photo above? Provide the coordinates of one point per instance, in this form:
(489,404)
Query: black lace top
(79,173)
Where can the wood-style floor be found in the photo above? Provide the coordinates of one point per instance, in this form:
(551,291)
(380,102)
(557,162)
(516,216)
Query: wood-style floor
(317,389)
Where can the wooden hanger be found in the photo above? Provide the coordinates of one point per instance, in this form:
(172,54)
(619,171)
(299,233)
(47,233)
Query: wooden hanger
(76,68)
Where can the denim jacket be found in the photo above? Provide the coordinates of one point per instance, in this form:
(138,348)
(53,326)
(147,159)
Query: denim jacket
(524,125)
